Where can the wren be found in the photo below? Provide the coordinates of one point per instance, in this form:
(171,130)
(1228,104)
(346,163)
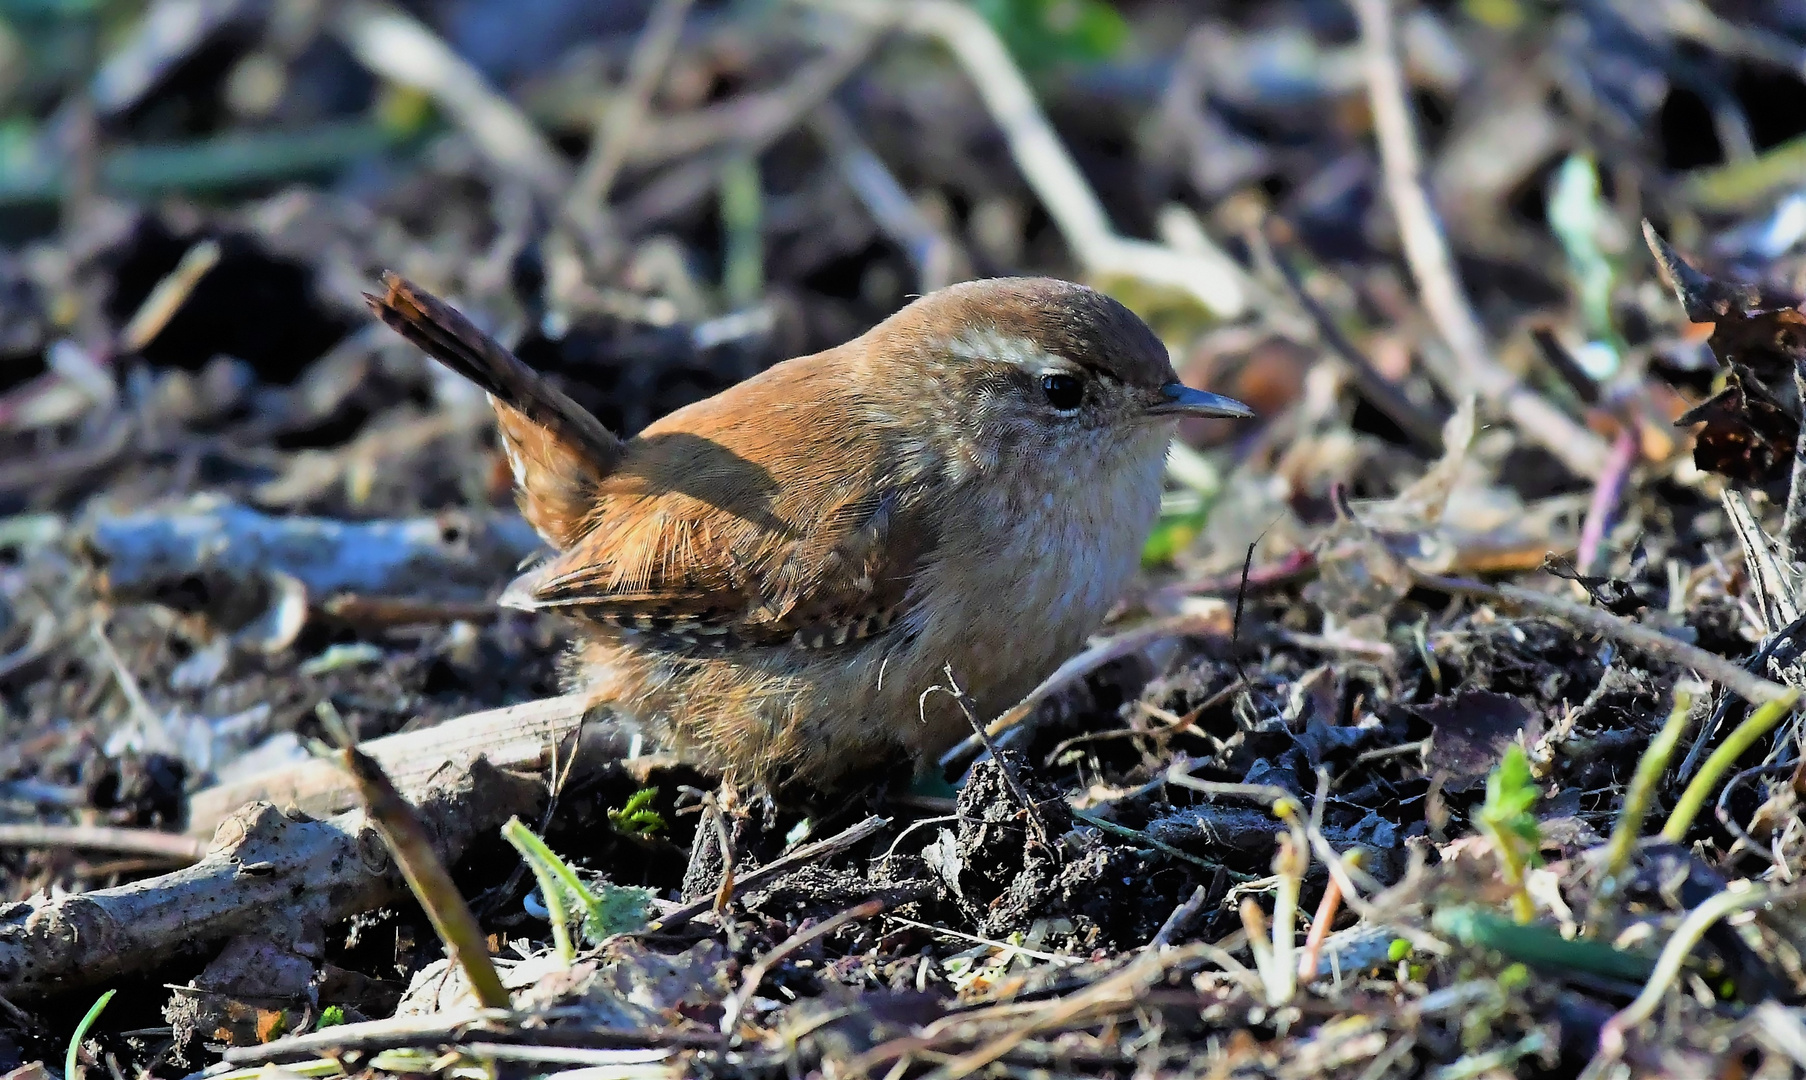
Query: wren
(774,580)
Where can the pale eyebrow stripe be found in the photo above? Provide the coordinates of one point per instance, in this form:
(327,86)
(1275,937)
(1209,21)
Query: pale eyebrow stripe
(1009,348)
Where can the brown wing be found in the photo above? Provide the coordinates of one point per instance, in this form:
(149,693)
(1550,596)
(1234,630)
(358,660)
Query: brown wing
(758,516)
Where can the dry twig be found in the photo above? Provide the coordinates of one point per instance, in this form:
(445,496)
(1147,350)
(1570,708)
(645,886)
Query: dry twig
(621,121)
(808,853)
(1213,279)
(1427,252)
(730,1016)
(401,828)
(1727,673)
(397,46)
(173,847)
(1211,623)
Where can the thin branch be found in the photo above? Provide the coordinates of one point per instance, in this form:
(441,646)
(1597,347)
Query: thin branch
(1181,919)
(736,1005)
(1793,525)
(1213,280)
(1668,965)
(934,254)
(620,123)
(1727,673)
(1422,428)
(1014,782)
(106,838)
(1433,268)
(395,45)
(778,113)
(808,853)
(1128,643)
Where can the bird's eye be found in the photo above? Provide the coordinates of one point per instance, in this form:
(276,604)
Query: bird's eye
(1064,392)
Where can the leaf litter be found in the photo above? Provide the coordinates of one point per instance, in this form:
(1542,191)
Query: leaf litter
(1356,819)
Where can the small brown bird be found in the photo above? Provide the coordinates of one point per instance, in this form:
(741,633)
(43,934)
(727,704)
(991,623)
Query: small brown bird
(775,579)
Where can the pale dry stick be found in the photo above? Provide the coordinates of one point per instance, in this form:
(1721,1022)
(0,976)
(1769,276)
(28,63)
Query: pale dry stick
(168,295)
(1423,428)
(933,253)
(1180,920)
(620,123)
(1793,522)
(1260,944)
(806,854)
(1433,268)
(1008,769)
(1752,688)
(1057,1013)
(1096,656)
(264,868)
(110,839)
(963,1025)
(1001,946)
(515,738)
(1668,964)
(397,46)
(452,1031)
(775,115)
(730,1015)
(1773,580)
(617,1062)
(1213,280)
(153,729)
(1290,862)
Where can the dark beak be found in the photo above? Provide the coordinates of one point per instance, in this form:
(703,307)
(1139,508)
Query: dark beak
(1182,400)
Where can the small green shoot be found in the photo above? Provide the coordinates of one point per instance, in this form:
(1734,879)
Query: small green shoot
(742,226)
(1183,512)
(1641,791)
(330,1016)
(1173,532)
(615,909)
(81,1032)
(637,818)
(1507,820)
(1044,33)
(1576,215)
(1735,745)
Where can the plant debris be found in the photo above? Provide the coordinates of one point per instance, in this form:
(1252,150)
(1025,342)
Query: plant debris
(1452,730)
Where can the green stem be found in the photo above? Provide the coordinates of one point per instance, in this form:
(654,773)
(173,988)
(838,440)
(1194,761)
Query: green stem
(1674,954)
(1511,862)
(743,222)
(1541,947)
(545,865)
(211,165)
(81,1032)
(1756,725)
(1637,797)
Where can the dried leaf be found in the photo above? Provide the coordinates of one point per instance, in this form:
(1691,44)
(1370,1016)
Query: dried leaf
(1470,732)
(1748,429)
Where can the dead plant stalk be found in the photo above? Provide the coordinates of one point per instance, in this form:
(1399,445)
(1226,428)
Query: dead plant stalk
(1433,268)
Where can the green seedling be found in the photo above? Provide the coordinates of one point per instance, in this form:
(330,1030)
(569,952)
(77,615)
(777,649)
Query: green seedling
(637,818)
(598,913)
(1045,33)
(1507,820)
